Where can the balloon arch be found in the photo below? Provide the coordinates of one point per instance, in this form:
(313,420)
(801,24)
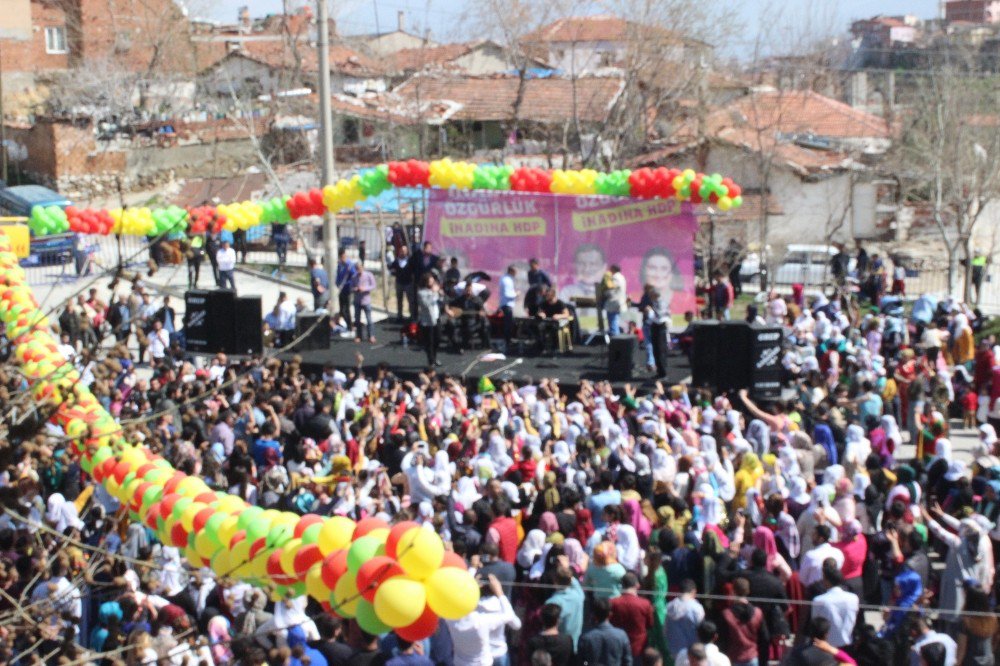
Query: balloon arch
(645,183)
(397,577)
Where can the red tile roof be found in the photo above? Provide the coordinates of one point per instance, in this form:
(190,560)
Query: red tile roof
(203,191)
(600,28)
(799,112)
(279,54)
(409,60)
(492,98)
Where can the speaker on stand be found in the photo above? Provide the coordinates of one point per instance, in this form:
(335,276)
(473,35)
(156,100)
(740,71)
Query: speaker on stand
(621,357)
(318,328)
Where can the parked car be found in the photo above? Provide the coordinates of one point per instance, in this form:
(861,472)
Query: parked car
(17,201)
(807,265)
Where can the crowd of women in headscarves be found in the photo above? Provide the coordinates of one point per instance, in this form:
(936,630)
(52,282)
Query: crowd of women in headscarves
(573,498)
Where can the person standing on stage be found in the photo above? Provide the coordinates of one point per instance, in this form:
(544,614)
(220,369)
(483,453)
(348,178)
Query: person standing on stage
(615,298)
(363,286)
(402,268)
(428,315)
(656,316)
(508,298)
(225,259)
(346,273)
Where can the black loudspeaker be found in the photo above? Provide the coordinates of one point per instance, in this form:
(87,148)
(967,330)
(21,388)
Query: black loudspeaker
(221,313)
(766,371)
(704,353)
(248,338)
(318,327)
(621,356)
(196,320)
(733,348)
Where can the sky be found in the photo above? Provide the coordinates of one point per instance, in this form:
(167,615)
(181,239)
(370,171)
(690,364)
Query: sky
(445,18)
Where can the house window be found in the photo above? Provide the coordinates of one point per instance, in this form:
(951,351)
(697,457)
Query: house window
(55,40)
(607,58)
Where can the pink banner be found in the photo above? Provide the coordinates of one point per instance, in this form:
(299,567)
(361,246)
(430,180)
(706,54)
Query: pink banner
(575,239)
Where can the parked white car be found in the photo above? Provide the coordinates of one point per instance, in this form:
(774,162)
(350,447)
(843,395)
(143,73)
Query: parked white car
(808,265)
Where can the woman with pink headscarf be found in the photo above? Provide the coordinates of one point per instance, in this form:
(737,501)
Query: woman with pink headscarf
(854,546)
(844,503)
(548,523)
(639,522)
(763,538)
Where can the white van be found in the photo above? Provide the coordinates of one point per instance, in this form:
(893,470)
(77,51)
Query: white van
(808,265)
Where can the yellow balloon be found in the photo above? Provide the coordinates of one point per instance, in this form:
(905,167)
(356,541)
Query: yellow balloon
(419,552)
(451,593)
(258,567)
(187,518)
(345,596)
(226,530)
(315,586)
(239,554)
(193,558)
(288,553)
(220,563)
(205,546)
(335,534)
(400,601)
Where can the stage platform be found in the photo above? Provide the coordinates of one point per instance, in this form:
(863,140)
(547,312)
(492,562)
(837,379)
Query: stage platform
(569,368)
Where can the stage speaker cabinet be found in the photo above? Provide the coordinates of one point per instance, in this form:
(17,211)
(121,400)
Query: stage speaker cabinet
(248,338)
(733,356)
(704,354)
(621,357)
(318,326)
(208,320)
(196,320)
(766,371)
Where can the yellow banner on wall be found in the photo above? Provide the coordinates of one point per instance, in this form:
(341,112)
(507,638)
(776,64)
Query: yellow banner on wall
(20,238)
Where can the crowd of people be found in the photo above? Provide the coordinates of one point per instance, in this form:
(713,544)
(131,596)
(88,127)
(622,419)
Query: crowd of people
(606,524)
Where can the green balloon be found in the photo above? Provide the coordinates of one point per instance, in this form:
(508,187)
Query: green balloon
(279,535)
(151,495)
(369,621)
(257,529)
(362,550)
(212,526)
(179,507)
(248,516)
(101,454)
(311,533)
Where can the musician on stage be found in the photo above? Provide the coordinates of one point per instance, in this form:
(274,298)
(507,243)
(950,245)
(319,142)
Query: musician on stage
(551,314)
(508,297)
(538,282)
(468,315)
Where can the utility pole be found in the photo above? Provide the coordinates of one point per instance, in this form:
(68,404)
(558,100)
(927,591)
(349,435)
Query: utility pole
(326,146)
(3,130)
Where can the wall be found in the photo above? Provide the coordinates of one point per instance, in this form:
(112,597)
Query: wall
(582,57)
(27,53)
(15,18)
(487,59)
(391,42)
(58,153)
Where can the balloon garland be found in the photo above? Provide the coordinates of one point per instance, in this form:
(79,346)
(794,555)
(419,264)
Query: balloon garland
(386,577)
(645,183)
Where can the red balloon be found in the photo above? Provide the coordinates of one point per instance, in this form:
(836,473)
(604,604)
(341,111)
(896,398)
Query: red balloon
(422,628)
(275,571)
(174,481)
(237,537)
(374,572)
(454,560)
(735,191)
(257,546)
(201,518)
(167,503)
(334,566)
(307,556)
(367,525)
(139,492)
(152,515)
(395,534)
(121,471)
(304,522)
(206,498)
(178,535)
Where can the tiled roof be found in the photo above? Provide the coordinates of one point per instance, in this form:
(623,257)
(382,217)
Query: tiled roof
(409,60)
(799,112)
(278,54)
(492,98)
(599,28)
(238,188)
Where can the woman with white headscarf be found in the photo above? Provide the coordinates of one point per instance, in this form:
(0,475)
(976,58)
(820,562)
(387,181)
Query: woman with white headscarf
(970,557)
(821,496)
(664,466)
(531,549)
(497,451)
(62,513)
(857,448)
(759,435)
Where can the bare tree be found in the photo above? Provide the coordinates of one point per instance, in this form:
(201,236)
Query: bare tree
(949,156)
